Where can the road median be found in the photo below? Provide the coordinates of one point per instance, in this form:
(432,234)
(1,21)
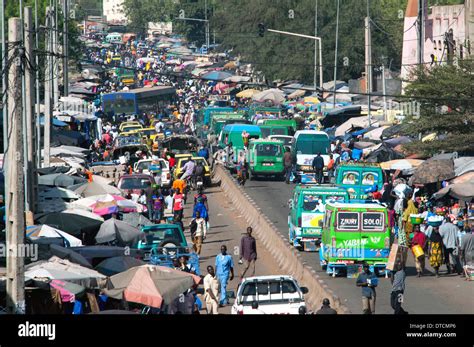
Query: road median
(286,256)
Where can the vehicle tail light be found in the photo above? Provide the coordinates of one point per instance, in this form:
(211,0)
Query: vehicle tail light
(240,312)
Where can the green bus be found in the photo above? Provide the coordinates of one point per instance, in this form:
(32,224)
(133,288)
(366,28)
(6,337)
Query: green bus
(219,120)
(258,113)
(232,133)
(354,234)
(269,130)
(266,158)
(283,122)
(359,178)
(307,208)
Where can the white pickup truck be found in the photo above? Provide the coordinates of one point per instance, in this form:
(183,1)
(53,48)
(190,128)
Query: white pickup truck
(144,165)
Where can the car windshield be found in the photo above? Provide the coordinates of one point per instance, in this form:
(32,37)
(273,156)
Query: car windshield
(134,183)
(144,165)
(168,234)
(268,291)
(312,202)
(279,131)
(268,150)
(131,128)
(266,132)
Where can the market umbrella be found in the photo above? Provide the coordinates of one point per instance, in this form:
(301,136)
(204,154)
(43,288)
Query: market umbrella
(62,269)
(467,177)
(375,134)
(150,285)
(230,65)
(136,219)
(392,131)
(115,265)
(237,79)
(59,180)
(276,96)
(247,93)
(83,213)
(363,144)
(297,94)
(108,204)
(67,290)
(433,171)
(69,254)
(114,229)
(94,188)
(397,141)
(461,191)
(47,231)
(311,100)
(73,224)
(47,192)
(401,164)
(216,75)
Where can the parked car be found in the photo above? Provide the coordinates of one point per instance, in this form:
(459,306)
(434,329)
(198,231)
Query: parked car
(269,295)
(162,239)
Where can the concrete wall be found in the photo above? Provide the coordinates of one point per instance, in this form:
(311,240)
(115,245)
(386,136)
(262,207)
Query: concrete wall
(285,255)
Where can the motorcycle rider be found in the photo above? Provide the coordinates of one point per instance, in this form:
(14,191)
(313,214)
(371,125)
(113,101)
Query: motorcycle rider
(188,169)
(199,172)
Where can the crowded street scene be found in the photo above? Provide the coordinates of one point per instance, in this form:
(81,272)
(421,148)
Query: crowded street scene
(146,171)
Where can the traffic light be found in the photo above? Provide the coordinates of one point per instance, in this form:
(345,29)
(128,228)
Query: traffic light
(261,29)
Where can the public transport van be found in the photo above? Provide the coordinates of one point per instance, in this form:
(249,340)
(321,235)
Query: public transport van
(283,122)
(114,38)
(353,234)
(305,146)
(266,158)
(359,178)
(307,208)
(232,133)
(269,130)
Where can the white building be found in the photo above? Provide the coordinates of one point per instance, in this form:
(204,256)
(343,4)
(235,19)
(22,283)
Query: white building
(439,21)
(113,11)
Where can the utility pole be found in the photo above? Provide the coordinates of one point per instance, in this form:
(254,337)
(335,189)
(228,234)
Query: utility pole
(55,54)
(368,63)
(47,90)
(38,98)
(65,48)
(335,55)
(14,212)
(384,87)
(421,24)
(316,46)
(29,102)
(207,27)
(4,80)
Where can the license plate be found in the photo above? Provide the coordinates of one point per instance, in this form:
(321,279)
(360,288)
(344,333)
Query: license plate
(267,164)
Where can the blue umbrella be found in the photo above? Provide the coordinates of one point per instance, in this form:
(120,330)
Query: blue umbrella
(216,75)
(56,122)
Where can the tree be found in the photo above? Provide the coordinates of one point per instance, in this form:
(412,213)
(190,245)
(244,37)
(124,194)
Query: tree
(445,95)
(141,12)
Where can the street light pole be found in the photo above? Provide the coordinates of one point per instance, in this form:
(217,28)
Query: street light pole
(335,55)
(307,37)
(316,45)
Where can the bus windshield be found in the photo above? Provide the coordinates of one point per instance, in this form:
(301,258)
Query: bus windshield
(119,106)
(312,145)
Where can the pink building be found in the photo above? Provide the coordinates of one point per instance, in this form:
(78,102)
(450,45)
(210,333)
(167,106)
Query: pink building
(440,22)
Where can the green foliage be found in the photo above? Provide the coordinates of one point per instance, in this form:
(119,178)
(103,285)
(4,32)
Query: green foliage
(445,94)
(141,12)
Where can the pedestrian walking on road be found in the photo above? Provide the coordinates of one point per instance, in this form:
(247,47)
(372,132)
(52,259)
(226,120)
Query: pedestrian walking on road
(398,289)
(248,254)
(211,291)
(198,228)
(449,233)
(178,205)
(368,281)
(288,162)
(419,239)
(318,166)
(436,250)
(225,272)
(326,308)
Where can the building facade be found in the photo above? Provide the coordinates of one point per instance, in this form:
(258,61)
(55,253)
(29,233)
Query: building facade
(113,11)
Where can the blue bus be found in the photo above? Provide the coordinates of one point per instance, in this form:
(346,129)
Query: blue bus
(137,101)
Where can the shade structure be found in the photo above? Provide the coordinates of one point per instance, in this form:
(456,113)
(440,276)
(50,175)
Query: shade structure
(59,180)
(116,230)
(311,100)
(136,219)
(275,96)
(237,79)
(69,254)
(375,134)
(115,265)
(230,65)
(47,231)
(73,224)
(216,75)
(94,188)
(297,94)
(61,269)
(108,204)
(461,191)
(247,93)
(47,192)
(84,213)
(150,285)
(67,290)
(401,164)
(432,171)
(467,177)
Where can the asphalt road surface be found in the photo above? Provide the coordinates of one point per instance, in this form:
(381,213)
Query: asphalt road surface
(449,294)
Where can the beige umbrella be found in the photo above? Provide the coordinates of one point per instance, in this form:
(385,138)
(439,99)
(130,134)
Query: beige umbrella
(247,93)
(461,191)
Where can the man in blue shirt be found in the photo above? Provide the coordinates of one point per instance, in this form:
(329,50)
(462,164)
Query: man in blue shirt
(224,272)
(368,281)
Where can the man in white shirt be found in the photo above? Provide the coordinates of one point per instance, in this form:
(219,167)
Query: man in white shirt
(211,291)
(159,127)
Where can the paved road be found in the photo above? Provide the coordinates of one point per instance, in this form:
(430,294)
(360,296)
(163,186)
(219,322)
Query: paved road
(428,295)
(227,227)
